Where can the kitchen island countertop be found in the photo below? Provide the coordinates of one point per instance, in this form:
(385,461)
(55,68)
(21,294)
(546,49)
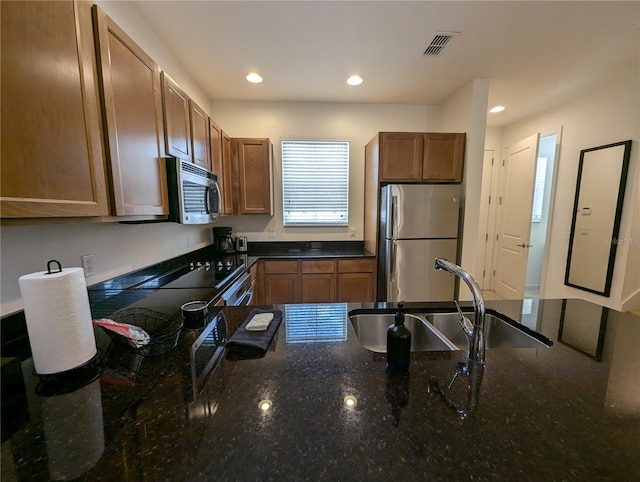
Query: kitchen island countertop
(554,413)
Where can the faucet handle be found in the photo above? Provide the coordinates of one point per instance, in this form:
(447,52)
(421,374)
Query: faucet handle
(463,321)
(461,367)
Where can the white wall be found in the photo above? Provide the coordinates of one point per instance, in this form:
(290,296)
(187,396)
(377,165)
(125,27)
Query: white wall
(607,114)
(357,123)
(466,111)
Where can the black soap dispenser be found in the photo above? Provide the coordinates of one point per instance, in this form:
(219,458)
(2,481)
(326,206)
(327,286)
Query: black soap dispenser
(398,343)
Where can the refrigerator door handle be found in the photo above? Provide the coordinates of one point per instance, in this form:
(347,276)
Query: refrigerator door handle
(392,262)
(394,216)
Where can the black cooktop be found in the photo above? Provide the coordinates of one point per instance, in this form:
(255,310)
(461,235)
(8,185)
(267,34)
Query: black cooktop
(214,272)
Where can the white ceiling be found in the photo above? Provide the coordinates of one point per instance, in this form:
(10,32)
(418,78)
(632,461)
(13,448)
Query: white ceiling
(534,53)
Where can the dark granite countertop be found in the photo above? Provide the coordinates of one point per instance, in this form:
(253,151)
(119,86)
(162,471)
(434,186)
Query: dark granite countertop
(569,412)
(312,249)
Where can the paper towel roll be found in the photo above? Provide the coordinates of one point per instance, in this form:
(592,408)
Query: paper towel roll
(56,307)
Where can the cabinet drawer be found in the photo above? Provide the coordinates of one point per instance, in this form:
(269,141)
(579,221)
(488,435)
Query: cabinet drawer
(318,266)
(356,265)
(277,267)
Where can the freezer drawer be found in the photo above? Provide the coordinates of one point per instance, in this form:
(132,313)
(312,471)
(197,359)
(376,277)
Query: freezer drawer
(410,271)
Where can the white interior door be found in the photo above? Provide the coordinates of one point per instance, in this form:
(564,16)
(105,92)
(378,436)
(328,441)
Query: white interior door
(514,225)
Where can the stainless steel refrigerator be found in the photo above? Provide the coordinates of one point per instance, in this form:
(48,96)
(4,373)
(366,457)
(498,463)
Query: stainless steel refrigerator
(418,223)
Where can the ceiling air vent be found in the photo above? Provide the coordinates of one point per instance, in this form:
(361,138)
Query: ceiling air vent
(438,42)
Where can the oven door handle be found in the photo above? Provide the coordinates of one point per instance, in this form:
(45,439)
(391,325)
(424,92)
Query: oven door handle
(242,302)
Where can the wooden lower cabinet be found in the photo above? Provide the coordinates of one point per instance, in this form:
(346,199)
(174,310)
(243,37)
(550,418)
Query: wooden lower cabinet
(281,283)
(356,280)
(281,288)
(318,281)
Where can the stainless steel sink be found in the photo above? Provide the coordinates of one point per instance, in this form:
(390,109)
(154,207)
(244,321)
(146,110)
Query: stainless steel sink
(498,333)
(371,329)
(441,332)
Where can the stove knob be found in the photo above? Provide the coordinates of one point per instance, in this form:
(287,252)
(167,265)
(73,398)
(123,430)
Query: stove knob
(191,267)
(219,265)
(207,265)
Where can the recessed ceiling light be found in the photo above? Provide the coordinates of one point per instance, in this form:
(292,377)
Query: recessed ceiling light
(496,109)
(254,78)
(355,80)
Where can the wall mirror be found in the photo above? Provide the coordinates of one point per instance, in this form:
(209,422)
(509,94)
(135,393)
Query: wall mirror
(597,209)
(583,327)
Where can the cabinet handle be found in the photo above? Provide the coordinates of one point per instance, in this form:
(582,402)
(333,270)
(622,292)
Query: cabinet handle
(523,245)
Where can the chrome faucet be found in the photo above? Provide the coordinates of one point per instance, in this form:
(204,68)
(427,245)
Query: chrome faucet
(475,331)
(474,366)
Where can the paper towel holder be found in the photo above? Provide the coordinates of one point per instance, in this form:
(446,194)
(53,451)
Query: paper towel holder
(49,266)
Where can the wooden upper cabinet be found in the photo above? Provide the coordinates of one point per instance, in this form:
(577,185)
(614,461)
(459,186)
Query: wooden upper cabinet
(215,138)
(176,119)
(226,175)
(200,136)
(443,157)
(401,156)
(132,106)
(254,174)
(52,153)
(416,156)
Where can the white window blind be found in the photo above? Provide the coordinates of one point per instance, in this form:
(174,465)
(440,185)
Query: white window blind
(316,323)
(315,183)
(538,190)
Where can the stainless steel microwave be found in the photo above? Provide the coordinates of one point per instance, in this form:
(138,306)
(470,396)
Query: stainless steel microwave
(194,194)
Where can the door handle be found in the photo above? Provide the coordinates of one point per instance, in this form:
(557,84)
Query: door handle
(524,245)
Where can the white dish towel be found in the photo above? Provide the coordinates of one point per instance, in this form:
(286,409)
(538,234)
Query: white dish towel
(259,322)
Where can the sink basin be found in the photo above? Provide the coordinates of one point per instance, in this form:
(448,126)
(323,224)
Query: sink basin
(498,332)
(441,332)
(371,329)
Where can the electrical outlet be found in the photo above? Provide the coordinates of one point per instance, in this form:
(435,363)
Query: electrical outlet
(352,232)
(272,232)
(87,265)
(189,240)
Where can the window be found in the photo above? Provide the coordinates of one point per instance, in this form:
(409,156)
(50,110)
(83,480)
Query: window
(538,190)
(315,183)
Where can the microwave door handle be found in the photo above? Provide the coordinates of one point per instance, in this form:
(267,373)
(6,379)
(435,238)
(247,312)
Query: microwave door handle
(207,208)
(219,194)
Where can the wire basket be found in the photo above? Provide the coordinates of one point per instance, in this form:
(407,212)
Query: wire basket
(163,330)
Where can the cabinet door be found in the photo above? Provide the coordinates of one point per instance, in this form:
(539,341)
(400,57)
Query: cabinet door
(255,175)
(226,174)
(281,288)
(356,287)
(318,281)
(318,288)
(132,104)
(400,156)
(356,280)
(215,138)
(52,161)
(200,140)
(177,129)
(443,157)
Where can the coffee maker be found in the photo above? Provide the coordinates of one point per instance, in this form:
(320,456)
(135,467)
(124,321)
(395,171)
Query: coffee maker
(223,240)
